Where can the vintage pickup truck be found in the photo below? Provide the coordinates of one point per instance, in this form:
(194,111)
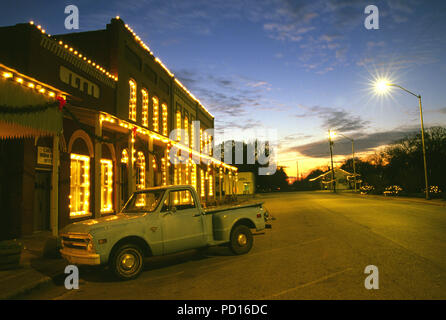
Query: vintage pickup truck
(159,221)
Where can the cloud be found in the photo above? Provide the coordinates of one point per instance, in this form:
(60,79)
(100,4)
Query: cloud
(336,119)
(362,143)
(227,97)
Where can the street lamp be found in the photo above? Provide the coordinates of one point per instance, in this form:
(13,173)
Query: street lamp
(382,86)
(353,154)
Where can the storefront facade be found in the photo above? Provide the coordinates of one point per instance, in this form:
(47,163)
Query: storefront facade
(115,129)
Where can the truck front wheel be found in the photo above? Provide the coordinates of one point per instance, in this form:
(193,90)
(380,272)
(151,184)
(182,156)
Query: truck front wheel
(241,240)
(127,262)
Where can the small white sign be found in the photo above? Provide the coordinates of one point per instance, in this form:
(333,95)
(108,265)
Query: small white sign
(44,155)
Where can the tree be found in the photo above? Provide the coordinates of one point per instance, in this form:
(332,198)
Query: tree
(278,181)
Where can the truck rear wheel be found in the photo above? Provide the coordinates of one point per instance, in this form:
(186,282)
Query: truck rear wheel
(127,262)
(241,240)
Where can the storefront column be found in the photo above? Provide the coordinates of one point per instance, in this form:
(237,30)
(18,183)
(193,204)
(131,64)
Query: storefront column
(130,167)
(54,195)
(214,182)
(97,168)
(151,175)
(220,187)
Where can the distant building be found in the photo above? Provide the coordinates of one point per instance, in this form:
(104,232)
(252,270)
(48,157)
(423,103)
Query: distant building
(344,180)
(246,183)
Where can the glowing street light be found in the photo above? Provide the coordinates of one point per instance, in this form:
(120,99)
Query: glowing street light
(382,86)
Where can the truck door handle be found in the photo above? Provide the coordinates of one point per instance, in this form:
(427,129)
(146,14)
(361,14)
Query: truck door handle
(165,214)
(197,215)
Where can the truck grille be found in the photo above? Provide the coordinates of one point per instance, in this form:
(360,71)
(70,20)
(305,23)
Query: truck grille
(75,241)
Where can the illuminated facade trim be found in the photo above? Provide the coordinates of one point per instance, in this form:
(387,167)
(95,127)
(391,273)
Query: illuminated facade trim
(132,100)
(156,116)
(145,108)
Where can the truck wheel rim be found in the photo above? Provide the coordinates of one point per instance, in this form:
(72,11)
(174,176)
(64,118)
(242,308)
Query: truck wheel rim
(241,239)
(127,261)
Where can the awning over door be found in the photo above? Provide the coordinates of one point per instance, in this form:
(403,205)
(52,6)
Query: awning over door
(28,108)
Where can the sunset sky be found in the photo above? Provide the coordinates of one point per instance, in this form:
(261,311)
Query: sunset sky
(298,67)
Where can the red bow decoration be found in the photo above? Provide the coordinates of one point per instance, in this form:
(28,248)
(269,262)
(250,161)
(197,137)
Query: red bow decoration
(62,102)
(134,131)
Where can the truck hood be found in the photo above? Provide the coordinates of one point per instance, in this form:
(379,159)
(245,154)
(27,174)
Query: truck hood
(103,223)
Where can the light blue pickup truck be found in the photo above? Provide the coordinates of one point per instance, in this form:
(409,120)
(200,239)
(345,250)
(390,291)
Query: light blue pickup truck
(159,221)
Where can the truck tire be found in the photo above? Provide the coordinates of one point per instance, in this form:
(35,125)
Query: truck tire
(127,261)
(241,240)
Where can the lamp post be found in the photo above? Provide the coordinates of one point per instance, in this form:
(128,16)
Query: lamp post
(330,141)
(382,87)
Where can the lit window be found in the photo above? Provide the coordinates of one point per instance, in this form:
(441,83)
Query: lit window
(211,185)
(192,137)
(202,183)
(194,176)
(132,100)
(201,140)
(145,107)
(178,127)
(125,156)
(186,131)
(79,185)
(140,171)
(155,114)
(164,171)
(106,185)
(177,181)
(209,145)
(186,172)
(165,129)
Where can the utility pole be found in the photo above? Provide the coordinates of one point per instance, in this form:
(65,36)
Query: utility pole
(333,181)
(297,170)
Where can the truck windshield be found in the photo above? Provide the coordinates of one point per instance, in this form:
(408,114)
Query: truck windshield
(145,201)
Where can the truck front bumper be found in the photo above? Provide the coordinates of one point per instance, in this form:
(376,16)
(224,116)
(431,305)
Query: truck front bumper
(92,259)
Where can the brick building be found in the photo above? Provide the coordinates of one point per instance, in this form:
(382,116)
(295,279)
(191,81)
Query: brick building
(116,129)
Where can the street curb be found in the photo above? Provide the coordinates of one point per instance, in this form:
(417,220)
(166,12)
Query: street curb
(26,289)
(42,281)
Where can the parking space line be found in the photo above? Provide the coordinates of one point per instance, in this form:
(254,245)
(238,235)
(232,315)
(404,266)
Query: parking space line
(332,275)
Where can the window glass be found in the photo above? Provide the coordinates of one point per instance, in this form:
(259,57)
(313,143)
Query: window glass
(155,114)
(79,185)
(106,185)
(145,108)
(146,201)
(181,200)
(132,100)
(165,114)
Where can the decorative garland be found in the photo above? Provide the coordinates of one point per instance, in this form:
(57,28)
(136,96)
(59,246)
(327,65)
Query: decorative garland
(60,104)
(28,108)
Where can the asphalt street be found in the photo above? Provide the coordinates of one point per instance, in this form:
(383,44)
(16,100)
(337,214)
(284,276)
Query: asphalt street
(318,248)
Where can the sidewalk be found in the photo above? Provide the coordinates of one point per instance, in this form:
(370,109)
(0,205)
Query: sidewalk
(436,202)
(35,270)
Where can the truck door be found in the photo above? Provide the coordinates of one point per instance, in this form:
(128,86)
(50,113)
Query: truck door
(182,222)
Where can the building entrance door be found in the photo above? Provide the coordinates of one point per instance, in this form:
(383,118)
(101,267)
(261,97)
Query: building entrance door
(42,189)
